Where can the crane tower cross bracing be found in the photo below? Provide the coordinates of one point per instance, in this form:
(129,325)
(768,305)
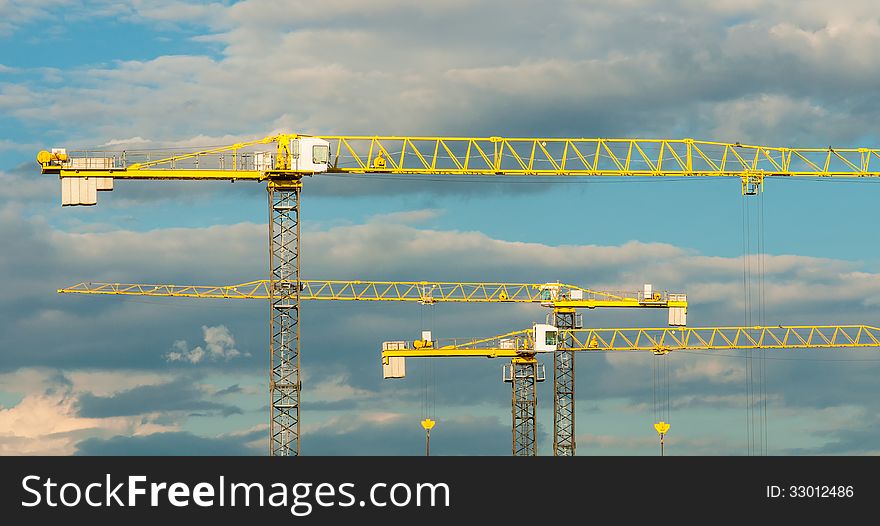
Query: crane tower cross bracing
(283,160)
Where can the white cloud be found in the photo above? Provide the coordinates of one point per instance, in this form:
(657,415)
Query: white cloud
(348,423)
(219,346)
(15,189)
(15,13)
(6,144)
(336,388)
(138,140)
(96,381)
(724,370)
(408,217)
(46,420)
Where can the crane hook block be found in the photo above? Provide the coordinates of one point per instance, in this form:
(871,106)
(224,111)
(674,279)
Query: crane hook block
(662,428)
(428,424)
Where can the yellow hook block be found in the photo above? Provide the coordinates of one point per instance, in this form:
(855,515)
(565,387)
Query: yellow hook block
(661,427)
(428,424)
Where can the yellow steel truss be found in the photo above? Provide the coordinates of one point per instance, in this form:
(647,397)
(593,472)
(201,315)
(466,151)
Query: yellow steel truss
(409,291)
(656,340)
(593,156)
(548,156)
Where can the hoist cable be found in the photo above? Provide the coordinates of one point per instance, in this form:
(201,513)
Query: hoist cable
(668,402)
(654,384)
(433,371)
(763,320)
(745,282)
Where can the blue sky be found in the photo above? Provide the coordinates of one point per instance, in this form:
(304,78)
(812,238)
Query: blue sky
(91,374)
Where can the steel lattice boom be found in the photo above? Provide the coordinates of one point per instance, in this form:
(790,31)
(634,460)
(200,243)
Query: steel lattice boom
(410,291)
(658,340)
(554,156)
(427,155)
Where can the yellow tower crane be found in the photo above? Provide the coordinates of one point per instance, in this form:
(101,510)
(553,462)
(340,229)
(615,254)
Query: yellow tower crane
(523,346)
(284,160)
(563,299)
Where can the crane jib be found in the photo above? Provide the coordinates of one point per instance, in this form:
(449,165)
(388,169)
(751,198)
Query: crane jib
(293,156)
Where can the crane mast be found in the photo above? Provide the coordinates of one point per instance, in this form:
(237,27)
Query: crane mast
(553,294)
(563,382)
(284,326)
(291,157)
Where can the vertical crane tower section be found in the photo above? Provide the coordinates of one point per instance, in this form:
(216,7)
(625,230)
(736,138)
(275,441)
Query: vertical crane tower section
(284,327)
(524,373)
(563,384)
(85,173)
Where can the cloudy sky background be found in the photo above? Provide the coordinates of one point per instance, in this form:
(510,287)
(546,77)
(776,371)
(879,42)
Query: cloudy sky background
(83,375)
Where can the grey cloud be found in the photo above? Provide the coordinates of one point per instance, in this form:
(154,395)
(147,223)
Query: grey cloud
(80,331)
(179,395)
(859,439)
(128,193)
(58,383)
(232,389)
(23,183)
(338,405)
(337,185)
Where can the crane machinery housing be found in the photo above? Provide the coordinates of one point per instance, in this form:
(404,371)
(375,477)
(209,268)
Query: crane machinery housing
(292,157)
